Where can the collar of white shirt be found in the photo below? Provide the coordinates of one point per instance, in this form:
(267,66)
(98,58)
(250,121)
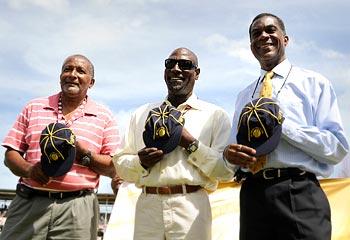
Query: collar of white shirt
(193,102)
(281,69)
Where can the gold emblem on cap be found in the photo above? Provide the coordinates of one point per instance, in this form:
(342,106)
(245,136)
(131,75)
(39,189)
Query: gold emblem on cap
(181,120)
(256,132)
(280,117)
(161,132)
(54,156)
(71,139)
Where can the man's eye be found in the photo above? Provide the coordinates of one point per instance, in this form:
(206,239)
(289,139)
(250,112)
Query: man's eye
(81,70)
(271,30)
(255,34)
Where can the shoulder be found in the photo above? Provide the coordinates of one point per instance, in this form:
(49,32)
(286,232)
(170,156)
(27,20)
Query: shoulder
(40,102)
(99,109)
(245,96)
(248,90)
(211,108)
(139,115)
(145,108)
(208,105)
(311,76)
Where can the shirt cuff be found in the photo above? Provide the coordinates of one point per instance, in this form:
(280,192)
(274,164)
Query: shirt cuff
(139,168)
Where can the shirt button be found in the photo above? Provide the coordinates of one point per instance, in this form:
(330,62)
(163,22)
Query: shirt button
(194,159)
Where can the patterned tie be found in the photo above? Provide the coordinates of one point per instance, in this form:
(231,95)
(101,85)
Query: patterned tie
(266,88)
(266,91)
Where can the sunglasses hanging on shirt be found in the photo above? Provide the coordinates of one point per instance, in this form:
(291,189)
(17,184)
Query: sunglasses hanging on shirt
(182,63)
(284,82)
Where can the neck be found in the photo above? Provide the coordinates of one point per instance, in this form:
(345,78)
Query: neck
(268,66)
(176,100)
(70,104)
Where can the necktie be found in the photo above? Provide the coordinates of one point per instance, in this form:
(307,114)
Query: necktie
(266,88)
(266,91)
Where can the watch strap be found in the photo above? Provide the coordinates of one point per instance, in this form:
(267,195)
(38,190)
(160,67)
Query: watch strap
(86,159)
(193,146)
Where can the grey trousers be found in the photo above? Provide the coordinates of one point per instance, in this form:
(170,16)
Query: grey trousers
(42,218)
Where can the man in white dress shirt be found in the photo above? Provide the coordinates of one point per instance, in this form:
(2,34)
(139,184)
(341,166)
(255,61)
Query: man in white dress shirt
(284,200)
(174,203)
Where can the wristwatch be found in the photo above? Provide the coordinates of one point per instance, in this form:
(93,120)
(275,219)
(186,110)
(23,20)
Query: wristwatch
(192,147)
(86,159)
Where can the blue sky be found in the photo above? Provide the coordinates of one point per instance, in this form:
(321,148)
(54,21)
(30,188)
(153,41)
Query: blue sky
(128,40)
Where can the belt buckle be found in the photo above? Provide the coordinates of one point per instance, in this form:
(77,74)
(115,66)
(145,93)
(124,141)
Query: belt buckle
(240,176)
(269,178)
(56,195)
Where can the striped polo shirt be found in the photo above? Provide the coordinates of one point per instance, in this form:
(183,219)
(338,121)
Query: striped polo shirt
(94,127)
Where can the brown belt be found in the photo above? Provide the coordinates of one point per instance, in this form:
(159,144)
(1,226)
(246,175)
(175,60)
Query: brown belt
(176,189)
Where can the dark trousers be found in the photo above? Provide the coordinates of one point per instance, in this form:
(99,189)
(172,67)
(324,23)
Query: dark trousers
(284,209)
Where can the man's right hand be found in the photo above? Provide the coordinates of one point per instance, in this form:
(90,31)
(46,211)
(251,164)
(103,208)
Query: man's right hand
(36,173)
(240,155)
(20,167)
(150,156)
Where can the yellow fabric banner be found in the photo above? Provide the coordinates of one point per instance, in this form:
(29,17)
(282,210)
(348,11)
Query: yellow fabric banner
(225,210)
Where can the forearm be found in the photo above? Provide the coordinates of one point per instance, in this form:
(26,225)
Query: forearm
(102,164)
(326,146)
(17,164)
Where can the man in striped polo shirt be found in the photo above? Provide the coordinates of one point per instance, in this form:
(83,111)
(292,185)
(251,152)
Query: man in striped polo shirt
(66,206)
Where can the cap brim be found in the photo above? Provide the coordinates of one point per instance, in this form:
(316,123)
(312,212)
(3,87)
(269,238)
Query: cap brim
(58,168)
(270,144)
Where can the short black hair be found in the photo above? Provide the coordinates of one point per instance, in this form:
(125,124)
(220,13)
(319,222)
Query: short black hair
(279,20)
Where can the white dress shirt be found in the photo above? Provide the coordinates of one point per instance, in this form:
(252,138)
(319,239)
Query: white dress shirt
(313,138)
(206,122)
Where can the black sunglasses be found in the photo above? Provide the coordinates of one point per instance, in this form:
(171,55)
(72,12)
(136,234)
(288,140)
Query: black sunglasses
(182,63)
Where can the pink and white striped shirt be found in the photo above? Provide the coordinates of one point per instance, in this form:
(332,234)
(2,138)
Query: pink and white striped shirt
(95,127)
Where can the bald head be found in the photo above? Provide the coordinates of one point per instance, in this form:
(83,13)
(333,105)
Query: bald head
(91,66)
(185,51)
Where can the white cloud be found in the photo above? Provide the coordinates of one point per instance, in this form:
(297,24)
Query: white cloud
(51,5)
(312,46)
(236,48)
(332,54)
(128,40)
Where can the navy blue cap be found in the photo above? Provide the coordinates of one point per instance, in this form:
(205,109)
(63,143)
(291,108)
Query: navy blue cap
(57,145)
(163,127)
(260,125)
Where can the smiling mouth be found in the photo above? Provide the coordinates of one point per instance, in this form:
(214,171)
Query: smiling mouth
(70,84)
(176,79)
(175,82)
(266,45)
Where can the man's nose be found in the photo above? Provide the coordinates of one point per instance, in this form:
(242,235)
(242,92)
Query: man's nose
(264,34)
(176,67)
(73,72)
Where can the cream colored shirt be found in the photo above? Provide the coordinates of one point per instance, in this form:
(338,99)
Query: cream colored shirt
(206,122)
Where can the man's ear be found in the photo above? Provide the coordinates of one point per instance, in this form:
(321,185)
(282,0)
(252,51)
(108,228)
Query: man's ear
(286,40)
(198,71)
(92,82)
